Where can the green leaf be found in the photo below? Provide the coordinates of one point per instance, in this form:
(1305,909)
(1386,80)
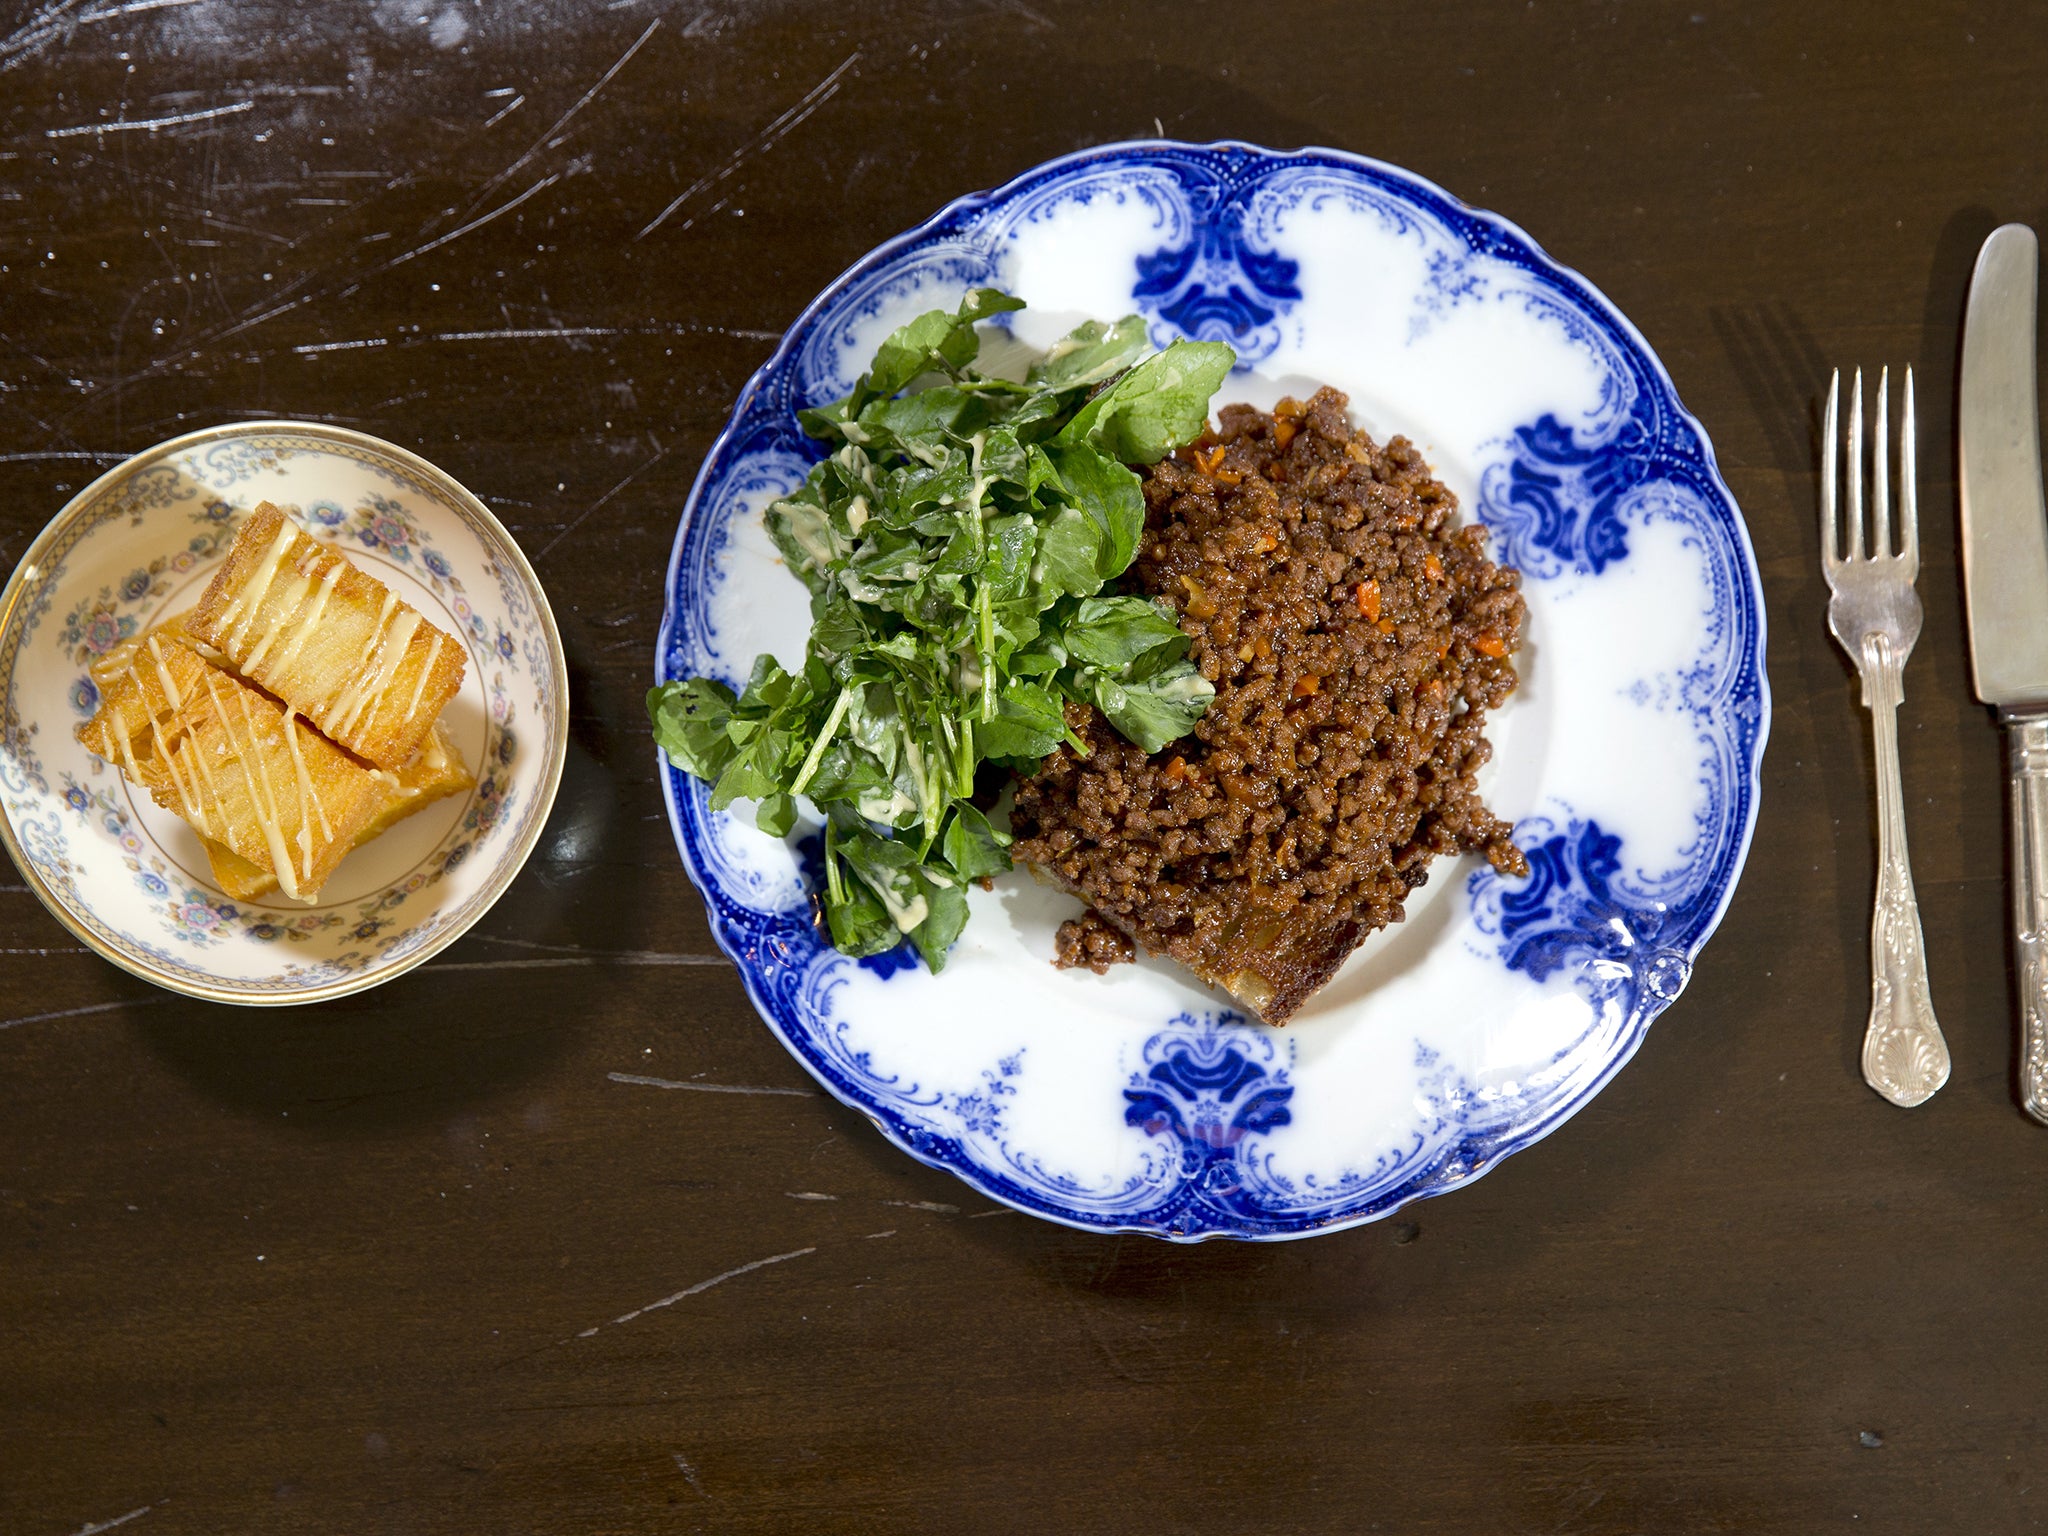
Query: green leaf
(803,530)
(945,915)
(972,847)
(1029,723)
(690,719)
(776,815)
(1112,632)
(1156,407)
(935,340)
(860,924)
(1111,495)
(1090,353)
(1156,710)
(908,419)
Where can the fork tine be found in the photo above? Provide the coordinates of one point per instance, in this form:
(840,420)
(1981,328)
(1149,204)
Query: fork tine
(1855,547)
(1881,470)
(1830,450)
(1909,495)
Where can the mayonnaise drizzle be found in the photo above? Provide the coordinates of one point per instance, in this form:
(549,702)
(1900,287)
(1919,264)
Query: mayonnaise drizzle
(163,674)
(191,804)
(350,691)
(265,816)
(426,671)
(309,620)
(307,794)
(247,602)
(371,689)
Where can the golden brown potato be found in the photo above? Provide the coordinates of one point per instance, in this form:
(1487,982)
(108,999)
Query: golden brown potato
(238,767)
(333,642)
(436,773)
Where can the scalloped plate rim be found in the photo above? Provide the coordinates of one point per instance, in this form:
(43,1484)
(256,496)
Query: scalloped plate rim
(1584,292)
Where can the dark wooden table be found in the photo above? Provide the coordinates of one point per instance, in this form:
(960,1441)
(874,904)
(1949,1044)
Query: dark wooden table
(330,1269)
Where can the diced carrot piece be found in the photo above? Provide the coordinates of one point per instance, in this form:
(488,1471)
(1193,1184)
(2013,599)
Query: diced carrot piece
(1490,644)
(1369,599)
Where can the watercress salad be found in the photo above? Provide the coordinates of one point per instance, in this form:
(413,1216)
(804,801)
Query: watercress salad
(956,542)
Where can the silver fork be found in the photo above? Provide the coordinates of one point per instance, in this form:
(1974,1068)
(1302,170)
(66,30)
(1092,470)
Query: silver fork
(1875,614)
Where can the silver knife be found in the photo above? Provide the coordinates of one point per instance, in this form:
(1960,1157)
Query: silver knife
(2005,576)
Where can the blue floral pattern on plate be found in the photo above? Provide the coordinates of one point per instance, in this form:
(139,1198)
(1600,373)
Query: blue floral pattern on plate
(1134,1103)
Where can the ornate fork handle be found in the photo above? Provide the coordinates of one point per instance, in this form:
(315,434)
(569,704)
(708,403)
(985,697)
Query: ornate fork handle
(1905,1057)
(2029,772)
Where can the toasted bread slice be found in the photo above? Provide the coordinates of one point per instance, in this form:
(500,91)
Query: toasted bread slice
(332,641)
(236,765)
(436,773)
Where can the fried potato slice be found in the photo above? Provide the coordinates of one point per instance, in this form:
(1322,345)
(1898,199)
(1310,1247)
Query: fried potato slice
(305,622)
(436,773)
(237,766)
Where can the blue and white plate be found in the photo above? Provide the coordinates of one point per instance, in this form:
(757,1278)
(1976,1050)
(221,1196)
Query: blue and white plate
(139,544)
(1628,759)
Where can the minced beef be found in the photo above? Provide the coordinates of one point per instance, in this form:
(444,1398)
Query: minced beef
(1091,941)
(1356,636)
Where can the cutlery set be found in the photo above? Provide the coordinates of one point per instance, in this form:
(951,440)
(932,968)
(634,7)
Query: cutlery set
(1875,615)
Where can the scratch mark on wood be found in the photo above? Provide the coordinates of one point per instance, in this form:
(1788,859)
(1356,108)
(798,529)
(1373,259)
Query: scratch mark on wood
(1001,1210)
(690,1476)
(131,8)
(538,333)
(29,458)
(36,34)
(808,1194)
(699,1288)
(340,346)
(478,223)
(505,111)
(72,1013)
(872,1235)
(70,949)
(925,1205)
(767,138)
(215,221)
(557,962)
(584,516)
(645,956)
(131,125)
(562,122)
(669,1082)
(90,1529)
(563,333)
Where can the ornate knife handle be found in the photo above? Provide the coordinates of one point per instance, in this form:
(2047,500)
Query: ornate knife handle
(2029,770)
(1905,1057)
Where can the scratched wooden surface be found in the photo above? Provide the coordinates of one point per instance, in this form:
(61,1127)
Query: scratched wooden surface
(465,1255)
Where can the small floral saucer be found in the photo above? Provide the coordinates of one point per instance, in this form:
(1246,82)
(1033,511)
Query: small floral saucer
(130,878)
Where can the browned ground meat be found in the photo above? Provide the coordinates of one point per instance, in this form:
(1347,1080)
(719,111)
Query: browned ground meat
(1356,636)
(1089,940)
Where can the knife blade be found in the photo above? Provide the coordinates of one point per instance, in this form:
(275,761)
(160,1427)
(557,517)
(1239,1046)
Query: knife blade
(2005,526)
(2005,581)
